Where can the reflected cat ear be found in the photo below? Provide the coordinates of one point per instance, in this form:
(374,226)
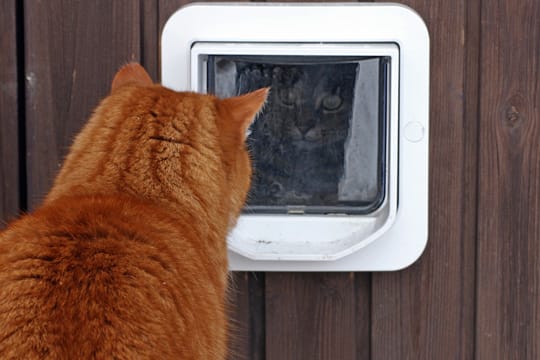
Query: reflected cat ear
(132,73)
(241,110)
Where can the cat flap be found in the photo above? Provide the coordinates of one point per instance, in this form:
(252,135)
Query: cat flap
(320,144)
(132,73)
(344,128)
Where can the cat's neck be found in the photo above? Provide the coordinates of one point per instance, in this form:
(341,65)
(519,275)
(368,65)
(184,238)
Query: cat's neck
(187,205)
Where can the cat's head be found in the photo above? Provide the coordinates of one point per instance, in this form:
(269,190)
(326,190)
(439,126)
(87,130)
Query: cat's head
(161,145)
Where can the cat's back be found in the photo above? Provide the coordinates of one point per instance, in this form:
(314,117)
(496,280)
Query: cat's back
(98,277)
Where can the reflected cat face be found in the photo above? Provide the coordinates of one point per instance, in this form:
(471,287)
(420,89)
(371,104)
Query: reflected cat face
(298,142)
(312,104)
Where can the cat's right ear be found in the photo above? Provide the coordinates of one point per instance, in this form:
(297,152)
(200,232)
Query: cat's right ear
(132,73)
(242,110)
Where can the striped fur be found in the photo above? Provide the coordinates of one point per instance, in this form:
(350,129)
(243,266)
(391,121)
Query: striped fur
(126,258)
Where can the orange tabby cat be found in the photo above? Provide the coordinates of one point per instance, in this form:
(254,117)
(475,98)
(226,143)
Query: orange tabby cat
(126,258)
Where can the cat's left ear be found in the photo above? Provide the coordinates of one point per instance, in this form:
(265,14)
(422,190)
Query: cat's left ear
(132,73)
(241,110)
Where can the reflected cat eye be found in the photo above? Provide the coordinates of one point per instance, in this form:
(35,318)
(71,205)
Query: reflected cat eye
(332,102)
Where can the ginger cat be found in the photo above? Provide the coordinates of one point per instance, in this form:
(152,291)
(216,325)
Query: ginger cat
(126,258)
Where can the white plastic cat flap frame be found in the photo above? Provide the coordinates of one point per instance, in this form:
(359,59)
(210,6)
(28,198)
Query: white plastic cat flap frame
(341,150)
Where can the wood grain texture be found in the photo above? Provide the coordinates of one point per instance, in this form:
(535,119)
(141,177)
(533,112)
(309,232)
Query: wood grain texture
(363,315)
(247,332)
(508,320)
(427,310)
(150,34)
(73,49)
(9,120)
(312,316)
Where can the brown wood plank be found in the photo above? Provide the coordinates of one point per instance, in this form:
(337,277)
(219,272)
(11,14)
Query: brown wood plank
(313,316)
(363,313)
(508,320)
(427,310)
(72,51)
(247,332)
(9,114)
(150,35)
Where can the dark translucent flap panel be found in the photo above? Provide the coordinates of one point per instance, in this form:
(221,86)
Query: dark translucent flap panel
(319,146)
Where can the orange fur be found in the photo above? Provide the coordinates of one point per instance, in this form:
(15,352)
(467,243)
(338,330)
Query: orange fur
(127,257)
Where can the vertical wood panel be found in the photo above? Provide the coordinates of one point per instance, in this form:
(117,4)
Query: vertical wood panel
(73,49)
(150,34)
(363,316)
(427,310)
(9,145)
(246,312)
(508,322)
(313,316)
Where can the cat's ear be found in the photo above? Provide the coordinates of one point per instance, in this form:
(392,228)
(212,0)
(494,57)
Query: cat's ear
(241,110)
(132,73)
